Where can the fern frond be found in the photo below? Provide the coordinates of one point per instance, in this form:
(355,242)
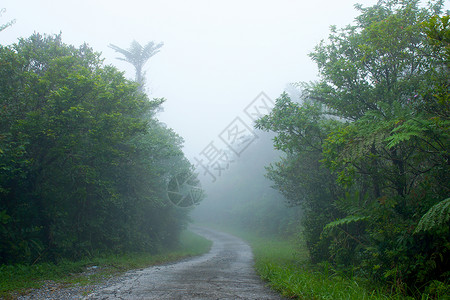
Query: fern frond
(437,216)
(343,221)
(351,203)
(421,128)
(405,131)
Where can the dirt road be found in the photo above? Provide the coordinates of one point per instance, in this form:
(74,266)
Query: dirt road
(224,273)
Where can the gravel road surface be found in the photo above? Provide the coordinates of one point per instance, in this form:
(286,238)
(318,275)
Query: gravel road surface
(225,272)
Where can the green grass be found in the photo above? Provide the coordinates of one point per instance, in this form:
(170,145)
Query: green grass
(288,271)
(18,279)
(285,265)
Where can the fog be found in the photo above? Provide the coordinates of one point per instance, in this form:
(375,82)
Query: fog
(218,62)
(243,198)
(217,56)
(221,62)
(93,163)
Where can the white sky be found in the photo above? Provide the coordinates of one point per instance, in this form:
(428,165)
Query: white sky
(218,55)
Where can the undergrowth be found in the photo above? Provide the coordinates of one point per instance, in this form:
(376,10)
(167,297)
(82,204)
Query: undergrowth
(18,279)
(285,265)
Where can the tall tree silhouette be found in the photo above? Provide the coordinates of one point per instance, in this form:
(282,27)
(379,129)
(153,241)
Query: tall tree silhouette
(138,56)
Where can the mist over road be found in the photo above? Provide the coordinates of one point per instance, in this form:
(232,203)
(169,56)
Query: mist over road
(225,272)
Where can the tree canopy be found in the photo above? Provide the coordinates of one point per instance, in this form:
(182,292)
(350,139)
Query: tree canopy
(84,163)
(367,148)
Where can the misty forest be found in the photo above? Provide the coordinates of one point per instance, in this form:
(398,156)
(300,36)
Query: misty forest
(344,194)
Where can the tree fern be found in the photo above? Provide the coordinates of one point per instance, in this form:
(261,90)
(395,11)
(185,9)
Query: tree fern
(344,221)
(436,217)
(138,56)
(422,128)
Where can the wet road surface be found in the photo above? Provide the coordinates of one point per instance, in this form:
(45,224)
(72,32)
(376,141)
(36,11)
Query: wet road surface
(225,272)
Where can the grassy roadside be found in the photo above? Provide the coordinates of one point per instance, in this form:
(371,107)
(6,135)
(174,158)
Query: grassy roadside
(18,279)
(285,266)
(288,271)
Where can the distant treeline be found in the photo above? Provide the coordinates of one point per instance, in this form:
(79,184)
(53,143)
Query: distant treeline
(366,148)
(84,163)
(242,198)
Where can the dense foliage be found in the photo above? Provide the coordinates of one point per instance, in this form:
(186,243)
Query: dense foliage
(367,148)
(83,160)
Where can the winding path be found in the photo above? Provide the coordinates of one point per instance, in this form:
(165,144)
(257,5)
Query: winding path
(225,272)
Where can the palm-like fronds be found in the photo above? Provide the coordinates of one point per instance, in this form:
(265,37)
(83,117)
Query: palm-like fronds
(138,55)
(437,216)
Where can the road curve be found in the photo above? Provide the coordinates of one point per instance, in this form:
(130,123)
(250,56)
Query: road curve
(225,272)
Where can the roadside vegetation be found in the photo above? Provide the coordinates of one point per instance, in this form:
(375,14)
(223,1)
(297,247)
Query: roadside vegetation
(18,279)
(285,265)
(366,149)
(84,168)
(361,161)
(84,162)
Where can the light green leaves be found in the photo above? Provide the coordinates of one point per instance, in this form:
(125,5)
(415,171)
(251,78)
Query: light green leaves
(437,217)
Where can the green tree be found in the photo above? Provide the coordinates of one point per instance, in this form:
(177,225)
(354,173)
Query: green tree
(81,157)
(299,176)
(381,135)
(138,55)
